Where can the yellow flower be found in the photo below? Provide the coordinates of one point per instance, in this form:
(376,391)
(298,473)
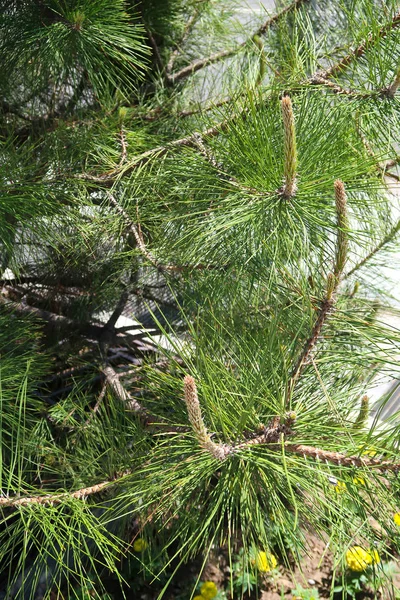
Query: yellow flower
(208,590)
(340,487)
(360,481)
(358,559)
(198,598)
(265,562)
(396,518)
(139,545)
(368,450)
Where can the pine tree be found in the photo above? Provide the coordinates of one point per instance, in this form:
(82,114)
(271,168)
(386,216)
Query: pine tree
(231,187)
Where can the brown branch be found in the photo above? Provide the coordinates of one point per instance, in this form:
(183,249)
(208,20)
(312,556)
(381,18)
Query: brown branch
(272,433)
(124,147)
(155,49)
(362,48)
(141,293)
(156,113)
(98,403)
(338,458)
(319,79)
(272,20)
(208,155)
(137,235)
(201,63)
(189,113)
(113,381)
(51,499)
(392,89)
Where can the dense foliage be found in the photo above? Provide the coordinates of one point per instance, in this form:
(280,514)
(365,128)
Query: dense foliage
(231,187)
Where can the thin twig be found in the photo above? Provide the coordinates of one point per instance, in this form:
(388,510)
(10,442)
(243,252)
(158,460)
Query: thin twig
(319,79)
(155,49)
(386,240)
(124,147)
(201,63)
(113,381)
(188,28)
(392,89)
(209,156)
(156,113)
(137,235)
(339,458)
(272,20)
(97,405)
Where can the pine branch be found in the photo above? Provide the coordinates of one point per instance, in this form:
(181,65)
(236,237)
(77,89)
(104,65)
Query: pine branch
(159,151)
(136,232)
(124,147)
(217,56)
(276,18)
(312,452)
(141,293)
(147,254)
(96,407)
(271,434)
(333,281)
(321,80)
(318,79)
(201,63)
(386,240)
(343,63)
(209,156)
